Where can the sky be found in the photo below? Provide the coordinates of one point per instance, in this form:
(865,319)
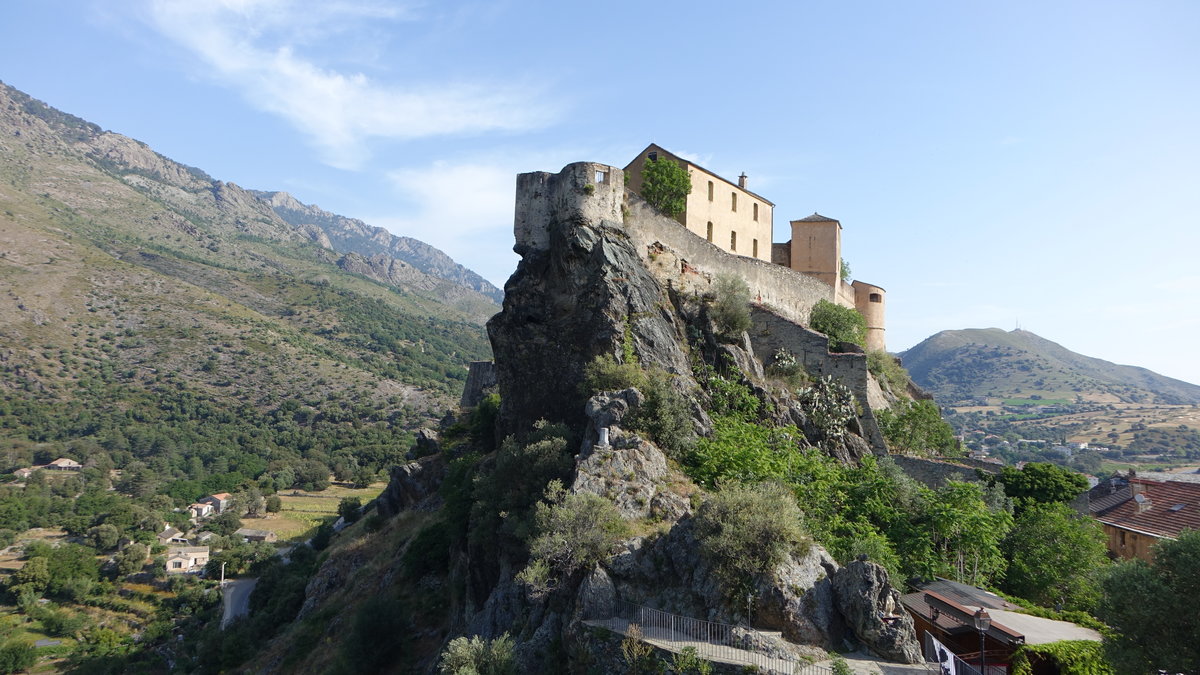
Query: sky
(1019,163)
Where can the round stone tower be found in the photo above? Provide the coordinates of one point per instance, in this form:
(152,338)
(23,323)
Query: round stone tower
(869,301)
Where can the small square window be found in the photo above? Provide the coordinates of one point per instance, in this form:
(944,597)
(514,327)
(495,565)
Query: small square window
(601,176)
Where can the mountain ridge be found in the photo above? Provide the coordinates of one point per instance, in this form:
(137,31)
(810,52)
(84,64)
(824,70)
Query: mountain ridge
(975,363)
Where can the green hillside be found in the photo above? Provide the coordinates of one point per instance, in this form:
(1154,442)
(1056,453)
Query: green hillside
(160,322)
(979,365)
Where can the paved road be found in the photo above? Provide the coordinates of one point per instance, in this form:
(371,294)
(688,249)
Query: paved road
(235,597)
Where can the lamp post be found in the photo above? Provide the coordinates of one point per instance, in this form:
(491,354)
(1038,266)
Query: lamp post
(982,623)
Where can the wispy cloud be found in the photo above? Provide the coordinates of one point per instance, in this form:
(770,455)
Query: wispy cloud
(266,50)
(464,205)
(465,209)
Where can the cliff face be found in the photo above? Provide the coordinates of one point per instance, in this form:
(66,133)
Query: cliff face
(587,286)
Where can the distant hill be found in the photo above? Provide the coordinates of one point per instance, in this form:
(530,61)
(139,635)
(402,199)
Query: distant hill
(148,308)
(963,366)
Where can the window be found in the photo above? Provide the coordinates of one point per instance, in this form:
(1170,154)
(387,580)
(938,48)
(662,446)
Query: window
(653,157)
(710,190)
(756,212)
(733,200)
(176,564)
(875,297)
(754,246)
(601,176)
(733,241)
(710,230)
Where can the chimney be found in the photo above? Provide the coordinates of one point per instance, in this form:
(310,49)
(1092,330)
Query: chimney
(742,180)
(1136,488)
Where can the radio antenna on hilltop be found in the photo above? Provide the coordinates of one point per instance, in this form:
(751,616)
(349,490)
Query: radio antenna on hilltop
(1018,325)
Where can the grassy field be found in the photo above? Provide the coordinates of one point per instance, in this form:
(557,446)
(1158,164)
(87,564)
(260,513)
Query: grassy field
(303,512)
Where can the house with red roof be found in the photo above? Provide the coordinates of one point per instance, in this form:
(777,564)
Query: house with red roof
(1138,513)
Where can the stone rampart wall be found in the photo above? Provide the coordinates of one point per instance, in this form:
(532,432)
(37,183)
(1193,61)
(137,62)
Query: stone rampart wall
(689,263)
(770,332)
(934,473)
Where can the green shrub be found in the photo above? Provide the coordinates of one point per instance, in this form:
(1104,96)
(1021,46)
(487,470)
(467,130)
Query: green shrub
(838,662)
(830,406)
(887,370)
(1068,657)
(731,309)
(476,656)
(746,530)
(350,509)
(917,427)
(665,415)
(688,660)
(16,656)
(666,185)
(786,367)
(482,422)
(841,324)
(574,531)
(638,653)
(729,397)
(604,373)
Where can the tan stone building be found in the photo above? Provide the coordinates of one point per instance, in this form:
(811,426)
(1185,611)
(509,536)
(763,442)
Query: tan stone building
(739,221)
(724,213)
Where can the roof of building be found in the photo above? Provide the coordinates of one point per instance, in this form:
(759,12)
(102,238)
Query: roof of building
(1168,508)
(660,148)
(817,218)
(169,533)
(965,595)
(247,532)
(222,496)
(186,550)
(65,461)
(951,616)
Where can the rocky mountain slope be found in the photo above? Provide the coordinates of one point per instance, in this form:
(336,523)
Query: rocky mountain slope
(455,556)
(352,235)
(132,282)
(959,366)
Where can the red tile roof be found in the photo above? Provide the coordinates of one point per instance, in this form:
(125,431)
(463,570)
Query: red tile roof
(1169,508)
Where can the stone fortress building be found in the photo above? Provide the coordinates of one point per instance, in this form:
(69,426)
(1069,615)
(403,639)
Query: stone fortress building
(740,222)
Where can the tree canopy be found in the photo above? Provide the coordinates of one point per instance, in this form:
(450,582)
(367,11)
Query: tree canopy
(666,185)
(1153,609)
(841,324)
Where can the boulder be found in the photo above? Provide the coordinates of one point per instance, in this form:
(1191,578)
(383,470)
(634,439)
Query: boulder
(872,610)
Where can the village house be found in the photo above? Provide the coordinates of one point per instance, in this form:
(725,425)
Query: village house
(170,535)
(219,501)
(187,559)
(64,464)
(1137,513)
(200,510)
(25,472)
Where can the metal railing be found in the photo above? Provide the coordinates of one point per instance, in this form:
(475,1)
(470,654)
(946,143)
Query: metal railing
(712,641)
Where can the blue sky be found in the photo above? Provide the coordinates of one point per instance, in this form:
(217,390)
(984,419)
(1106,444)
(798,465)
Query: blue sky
(991,163)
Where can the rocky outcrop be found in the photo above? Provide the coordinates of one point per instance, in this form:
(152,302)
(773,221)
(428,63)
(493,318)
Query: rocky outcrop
(872,610)
(588,294)
(413,486)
